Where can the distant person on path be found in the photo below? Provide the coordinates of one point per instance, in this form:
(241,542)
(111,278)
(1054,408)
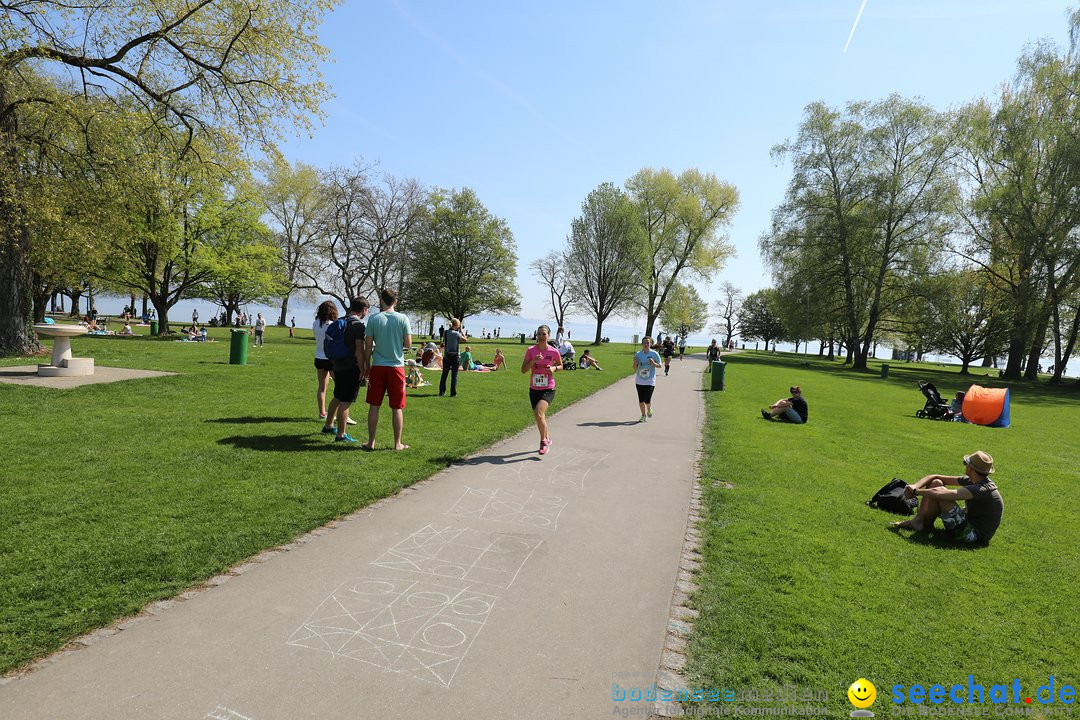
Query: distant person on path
(682,346)
(195,316)
(712,353)
(442,332)
(977,520)
(451,361)
(669,352)
(325,314)
(646,361)
(348,370)
(541,362)
(388,336)
(260,328)
(793,409)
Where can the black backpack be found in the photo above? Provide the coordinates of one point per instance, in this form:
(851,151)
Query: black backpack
(891,499)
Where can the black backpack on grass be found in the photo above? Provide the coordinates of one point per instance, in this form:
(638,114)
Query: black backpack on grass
(891,499)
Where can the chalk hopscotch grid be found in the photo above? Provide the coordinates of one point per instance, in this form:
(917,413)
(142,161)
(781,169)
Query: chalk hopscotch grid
(570,472)
(462,554)
(510,505)
(416,627)
(223,713)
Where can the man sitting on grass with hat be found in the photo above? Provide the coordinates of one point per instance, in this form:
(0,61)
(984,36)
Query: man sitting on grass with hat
(975,522)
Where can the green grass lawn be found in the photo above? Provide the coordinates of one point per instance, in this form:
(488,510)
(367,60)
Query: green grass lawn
(116,495)
(803,585)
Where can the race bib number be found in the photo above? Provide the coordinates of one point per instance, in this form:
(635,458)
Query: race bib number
(539,381)
(643,372)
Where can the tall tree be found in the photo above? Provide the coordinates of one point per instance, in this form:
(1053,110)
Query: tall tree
(727,307)
(364,234)
(866,206)
(551,271)
(684,312)
(967,317)
(462,259)
(295,200)
(196,64)
(605,254)
(680,218)
(760,317)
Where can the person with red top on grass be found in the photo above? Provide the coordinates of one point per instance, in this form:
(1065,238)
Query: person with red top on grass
(542,362)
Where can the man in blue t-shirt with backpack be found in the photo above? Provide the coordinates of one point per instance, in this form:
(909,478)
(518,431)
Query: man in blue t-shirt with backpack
(344,346)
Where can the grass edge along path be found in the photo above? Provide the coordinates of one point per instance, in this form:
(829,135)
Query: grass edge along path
(173,481)
(803,586)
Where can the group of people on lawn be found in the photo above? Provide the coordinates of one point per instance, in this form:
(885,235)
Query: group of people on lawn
(974,522)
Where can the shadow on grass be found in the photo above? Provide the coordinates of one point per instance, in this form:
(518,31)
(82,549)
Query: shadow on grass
(940,539)
(257,420)
(285,443)
(609,423)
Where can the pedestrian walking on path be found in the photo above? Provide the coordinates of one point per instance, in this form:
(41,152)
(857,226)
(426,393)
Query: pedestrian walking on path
(388,336)
(646,361)
(682,347)
(542,362)
(260,329)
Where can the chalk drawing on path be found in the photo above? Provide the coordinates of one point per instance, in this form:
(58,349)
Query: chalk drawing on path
(511,505)
(413,627)
(462,554)
(566,470)
(223,713)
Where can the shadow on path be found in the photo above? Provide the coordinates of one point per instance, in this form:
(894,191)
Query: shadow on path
(608,423)
(524,456)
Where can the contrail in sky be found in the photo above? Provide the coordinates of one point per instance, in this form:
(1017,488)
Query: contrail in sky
(857,17)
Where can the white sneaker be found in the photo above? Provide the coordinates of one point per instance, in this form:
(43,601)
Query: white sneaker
(350,421)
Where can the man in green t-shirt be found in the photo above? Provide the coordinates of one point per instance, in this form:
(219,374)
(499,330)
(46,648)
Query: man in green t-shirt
(388,336)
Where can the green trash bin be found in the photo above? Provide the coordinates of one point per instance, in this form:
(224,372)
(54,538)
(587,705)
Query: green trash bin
(153,327)
(884,370)
(522,336)
(238,348)
(718,367)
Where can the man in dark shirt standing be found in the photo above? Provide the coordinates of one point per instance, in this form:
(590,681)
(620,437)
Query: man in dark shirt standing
(977,520)
(793,409)
(348,371)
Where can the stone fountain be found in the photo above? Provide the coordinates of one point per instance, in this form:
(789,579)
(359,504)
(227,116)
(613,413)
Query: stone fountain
(63,365)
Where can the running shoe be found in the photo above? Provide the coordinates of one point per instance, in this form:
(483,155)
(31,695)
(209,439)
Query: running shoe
(345,438)
(329,430)
(543,449)
(641,419)
(350,421)
(650,412)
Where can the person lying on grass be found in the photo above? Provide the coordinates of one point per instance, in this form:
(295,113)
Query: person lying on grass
(977,520)
(793,409)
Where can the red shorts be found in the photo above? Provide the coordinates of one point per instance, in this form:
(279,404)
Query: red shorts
(385,380)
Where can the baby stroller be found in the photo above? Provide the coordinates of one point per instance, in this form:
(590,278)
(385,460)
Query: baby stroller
(935,408)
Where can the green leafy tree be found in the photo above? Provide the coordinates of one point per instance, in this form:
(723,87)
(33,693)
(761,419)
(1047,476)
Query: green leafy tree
(967,317)
(866,209)
(681,218)
(196,65)
(684,312)
(605,254)
(759,317)
(462,259)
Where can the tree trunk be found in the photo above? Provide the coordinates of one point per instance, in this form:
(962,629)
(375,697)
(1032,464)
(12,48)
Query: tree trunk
(431,327)
(1070,344)
(1017,346)
(1035,352)
(964,366)
(284,311)
(987,360)
(75,296)
(145,300)
(16,337)
(831,355)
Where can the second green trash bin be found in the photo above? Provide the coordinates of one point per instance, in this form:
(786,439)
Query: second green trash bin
(238,348)
(718,367)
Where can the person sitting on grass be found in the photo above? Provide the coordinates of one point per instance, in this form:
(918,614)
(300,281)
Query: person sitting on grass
(956,407)
(977,520)
(414,379)
(499,361)
(467,359)
(126,330)
(587,361)
(792,409)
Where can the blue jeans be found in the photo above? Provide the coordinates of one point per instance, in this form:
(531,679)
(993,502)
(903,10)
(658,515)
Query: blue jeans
(792,416)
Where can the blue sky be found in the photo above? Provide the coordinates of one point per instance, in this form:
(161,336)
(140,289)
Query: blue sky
(535,105)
